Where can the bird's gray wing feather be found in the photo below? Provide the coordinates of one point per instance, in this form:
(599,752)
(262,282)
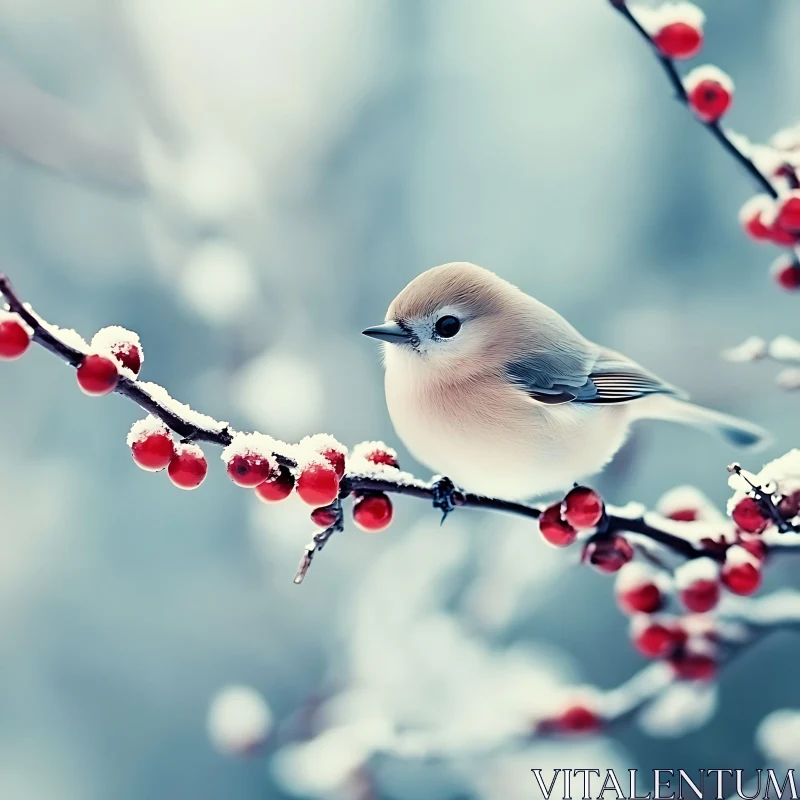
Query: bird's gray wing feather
(594,376)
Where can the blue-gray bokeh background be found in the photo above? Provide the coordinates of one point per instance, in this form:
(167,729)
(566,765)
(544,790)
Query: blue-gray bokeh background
(247,184)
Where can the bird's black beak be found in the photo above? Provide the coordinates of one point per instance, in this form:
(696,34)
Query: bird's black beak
(388,332)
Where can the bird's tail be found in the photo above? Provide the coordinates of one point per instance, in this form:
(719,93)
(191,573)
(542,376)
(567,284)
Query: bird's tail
(735,431)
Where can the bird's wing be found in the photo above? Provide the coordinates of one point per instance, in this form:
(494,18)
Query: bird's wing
(597,377)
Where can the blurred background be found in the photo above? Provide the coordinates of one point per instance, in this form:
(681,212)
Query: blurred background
(247,184)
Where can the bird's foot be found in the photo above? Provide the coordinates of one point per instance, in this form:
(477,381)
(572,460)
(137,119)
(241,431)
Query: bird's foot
(445,496)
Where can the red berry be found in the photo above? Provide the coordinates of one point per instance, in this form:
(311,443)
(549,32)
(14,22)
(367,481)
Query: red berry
(276,488)
(554,529)
(781,237)
(752,215)
(755,547)
(188,467)
(249,469)
(700,596)
(336,459)
(741,572)
(578,719)
(372,512)
(608,554)
(382,457)
(324,517)
(694,666)
(582,508)
(684,515)
(129,356)
(786,272)
(789,506)
(317,484)
(655,639)
(788,217)
(709,100)
(748,515)
(97,375)
(14,337)
(679,40)
(154,451)
(646,598)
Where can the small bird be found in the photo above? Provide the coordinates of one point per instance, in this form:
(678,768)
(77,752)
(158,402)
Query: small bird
(498,392)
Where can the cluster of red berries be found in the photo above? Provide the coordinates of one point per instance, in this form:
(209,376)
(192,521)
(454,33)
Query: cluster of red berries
(778,221)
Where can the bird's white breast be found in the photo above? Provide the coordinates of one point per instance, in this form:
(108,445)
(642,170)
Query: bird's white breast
(490,438)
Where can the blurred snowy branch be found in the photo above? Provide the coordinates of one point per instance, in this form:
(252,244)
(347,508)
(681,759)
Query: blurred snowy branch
(782,349)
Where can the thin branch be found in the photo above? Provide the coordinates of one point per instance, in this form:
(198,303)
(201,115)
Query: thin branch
(716,130)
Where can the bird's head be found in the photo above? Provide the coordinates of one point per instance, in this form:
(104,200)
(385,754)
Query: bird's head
(452,317)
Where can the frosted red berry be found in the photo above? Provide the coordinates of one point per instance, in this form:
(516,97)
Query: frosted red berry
(324,517)
(154,451)
(694,666)
(753,214)
(578,719)
(382,457)
(786,272)
(128,355)
(188,467)
(608,554)
(679,40)
(755,547)
(336,459)
(683,515)
(276,488)
(318,484)
(97,375)
(701,595)
(788,216)
(372,512)
(249,469)
(554,529)
(748,515)
(709,99)
(14,338)
(655,639)
(582,508)
(742,578)
(789,506)
(645,598)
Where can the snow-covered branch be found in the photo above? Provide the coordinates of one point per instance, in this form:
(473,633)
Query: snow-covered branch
(320,469)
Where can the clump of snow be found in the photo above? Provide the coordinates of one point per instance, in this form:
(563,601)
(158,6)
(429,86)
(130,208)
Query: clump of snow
(787,138)
(114,337)
(778,736)
(163,398)
(636,574)
(682,708)
(256,444)
(239,720)
(694,570)
(688,498)
(737,556)
(143,428)
(12,316)
(789,379)
(190,449)
(366,449)
(751,349)
(654,19)
(70,337)
(785,348)
(708,72)
(321,442)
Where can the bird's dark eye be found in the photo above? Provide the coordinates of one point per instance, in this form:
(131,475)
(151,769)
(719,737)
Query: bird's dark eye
(447,327)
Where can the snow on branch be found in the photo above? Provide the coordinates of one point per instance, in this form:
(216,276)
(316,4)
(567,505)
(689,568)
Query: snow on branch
(674,31)
(782,350)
